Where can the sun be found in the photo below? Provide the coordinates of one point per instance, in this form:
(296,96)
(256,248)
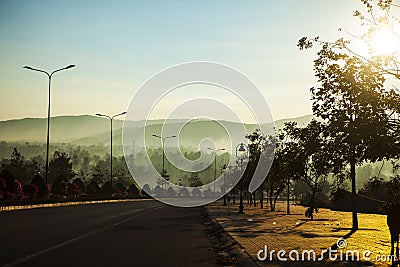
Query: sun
(384,42)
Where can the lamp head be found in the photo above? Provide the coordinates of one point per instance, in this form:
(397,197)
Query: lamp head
(242,150)
(27,67)
(69,66)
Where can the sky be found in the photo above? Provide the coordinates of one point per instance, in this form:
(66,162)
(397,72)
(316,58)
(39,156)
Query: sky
(118,45)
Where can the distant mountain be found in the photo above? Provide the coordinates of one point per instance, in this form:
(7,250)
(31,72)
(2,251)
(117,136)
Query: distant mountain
(301,121)
(89,130)
(62,129)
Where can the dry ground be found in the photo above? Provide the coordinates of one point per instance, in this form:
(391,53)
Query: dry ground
(277,230)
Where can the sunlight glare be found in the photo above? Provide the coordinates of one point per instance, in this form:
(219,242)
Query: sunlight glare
(384,42)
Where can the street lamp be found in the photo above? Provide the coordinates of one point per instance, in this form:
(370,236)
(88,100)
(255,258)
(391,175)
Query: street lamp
(111,137)
(241,153)
(215,163)
(48,111)
(224,192)
(163,156)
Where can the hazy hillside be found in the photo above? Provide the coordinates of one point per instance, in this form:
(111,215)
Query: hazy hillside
(62,129)
(301,121)
(88,130)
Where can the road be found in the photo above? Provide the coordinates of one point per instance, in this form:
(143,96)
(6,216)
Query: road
(143,233)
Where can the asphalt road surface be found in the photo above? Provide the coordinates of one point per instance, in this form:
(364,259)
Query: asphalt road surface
(143,233)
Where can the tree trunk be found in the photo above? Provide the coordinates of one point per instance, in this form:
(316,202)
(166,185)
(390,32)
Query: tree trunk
(353,189)
(262,196)
(249,199)
(275,199)
(288,197)
(271,201)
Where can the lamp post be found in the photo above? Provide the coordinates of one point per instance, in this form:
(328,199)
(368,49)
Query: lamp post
(111,136)
(243,151)
(223,172)
(215,163)
(49,75)
(163,156)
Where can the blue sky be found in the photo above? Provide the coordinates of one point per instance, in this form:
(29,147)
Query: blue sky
(117,45)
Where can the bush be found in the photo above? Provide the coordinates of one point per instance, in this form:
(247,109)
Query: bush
(146,191)
(3,185)
(80,184)
(44,191)
(60,187)
(19,194)
(120,190)
(158,191)
(208,193)
(74,190)
(171,192)
(196,192)
(107,189)
(10,188)
(92,189)
(31,191)
(133,191)
(184,192)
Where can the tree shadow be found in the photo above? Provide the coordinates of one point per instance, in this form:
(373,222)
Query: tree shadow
(335,246)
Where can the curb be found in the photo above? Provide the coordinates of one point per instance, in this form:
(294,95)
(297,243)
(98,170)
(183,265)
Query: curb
(64,204)
(230,251)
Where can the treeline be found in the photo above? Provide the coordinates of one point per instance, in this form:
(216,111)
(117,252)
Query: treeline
(79,173)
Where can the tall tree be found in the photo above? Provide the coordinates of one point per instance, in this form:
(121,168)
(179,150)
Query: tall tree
(309,159)
(194,180)
(60,166)
(352,102)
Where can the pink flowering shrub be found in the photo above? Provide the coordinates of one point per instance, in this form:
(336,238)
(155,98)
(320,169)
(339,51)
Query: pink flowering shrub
(120,190)
(74,190)
(19,193)
(2,187)
(31,191)
(60,187)
(44,189)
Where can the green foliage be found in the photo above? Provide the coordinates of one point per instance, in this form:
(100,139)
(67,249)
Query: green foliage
(20,168)
(60,166)
(353,104)
(194,180)
(384,190)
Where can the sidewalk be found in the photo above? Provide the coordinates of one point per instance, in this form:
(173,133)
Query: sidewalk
(278,231)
